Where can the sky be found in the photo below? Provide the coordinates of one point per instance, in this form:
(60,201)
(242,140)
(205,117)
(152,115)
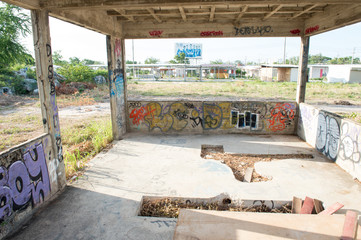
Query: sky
(75,41)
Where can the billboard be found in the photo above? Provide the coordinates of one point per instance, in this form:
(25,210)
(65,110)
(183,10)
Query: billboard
(191,50)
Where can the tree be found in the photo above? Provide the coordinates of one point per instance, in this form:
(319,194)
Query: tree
(218,61)
(90,62)
(181,58)
(292,60)
(13,23)
(151,60)
(58,59)
(74,61)
(318,59)
(130,62)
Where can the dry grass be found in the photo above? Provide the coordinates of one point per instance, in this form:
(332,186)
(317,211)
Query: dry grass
(316,92)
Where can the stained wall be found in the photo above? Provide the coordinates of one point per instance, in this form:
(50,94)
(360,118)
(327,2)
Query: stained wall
(337,138)
(212,117)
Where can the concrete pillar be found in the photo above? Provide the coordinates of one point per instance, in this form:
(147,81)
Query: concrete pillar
(117,86)
(46,86)
(302,70)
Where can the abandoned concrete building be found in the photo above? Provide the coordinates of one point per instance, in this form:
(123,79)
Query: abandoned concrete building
(105,203)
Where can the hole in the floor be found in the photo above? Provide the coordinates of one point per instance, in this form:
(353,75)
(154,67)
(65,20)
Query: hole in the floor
(227,201)
(242,165)
(170,206)
(209,149)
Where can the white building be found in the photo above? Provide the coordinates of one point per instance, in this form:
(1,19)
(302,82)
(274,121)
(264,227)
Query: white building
(279,73)
(317,71)
(344,73)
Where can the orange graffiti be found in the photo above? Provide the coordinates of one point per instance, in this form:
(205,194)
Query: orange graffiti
(139,114)
(279,115)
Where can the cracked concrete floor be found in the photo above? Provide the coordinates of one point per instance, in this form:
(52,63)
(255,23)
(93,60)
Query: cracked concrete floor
(104,203)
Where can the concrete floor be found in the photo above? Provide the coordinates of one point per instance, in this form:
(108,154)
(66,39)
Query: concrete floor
(104,203)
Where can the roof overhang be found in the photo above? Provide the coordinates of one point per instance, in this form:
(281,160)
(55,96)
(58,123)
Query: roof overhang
(202,18)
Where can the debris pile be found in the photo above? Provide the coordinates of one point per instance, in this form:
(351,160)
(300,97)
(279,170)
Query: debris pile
(167,207)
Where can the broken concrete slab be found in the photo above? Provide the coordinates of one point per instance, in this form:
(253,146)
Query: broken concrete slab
(212,225)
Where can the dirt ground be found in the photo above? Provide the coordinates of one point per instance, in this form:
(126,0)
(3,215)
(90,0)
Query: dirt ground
(21,120)
(240,162)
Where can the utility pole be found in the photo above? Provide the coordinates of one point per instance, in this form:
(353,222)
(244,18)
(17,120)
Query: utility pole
(353,55)
(284,52)
(133,58)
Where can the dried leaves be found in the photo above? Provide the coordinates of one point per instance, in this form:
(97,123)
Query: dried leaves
(170,208)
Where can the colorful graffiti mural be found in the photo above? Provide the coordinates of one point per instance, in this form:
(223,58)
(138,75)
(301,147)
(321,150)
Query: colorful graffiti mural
(208,116)
(24,179)
(281,116)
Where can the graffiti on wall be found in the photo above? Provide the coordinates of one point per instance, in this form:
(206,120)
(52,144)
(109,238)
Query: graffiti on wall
(116,87)
(24,180)
(56,125)
(249,115)
(211,33)
(253,30)
(312,29)
(328,135)
(336,138)
(246,116)
(281,116)
(295,31)
(155,33)
(350,142)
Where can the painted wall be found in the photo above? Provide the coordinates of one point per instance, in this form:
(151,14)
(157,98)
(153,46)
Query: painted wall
(28,177)
(337,138)
(212,117)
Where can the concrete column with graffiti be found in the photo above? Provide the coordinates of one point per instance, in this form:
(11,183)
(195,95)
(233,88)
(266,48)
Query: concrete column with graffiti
(117,85)
(46,86)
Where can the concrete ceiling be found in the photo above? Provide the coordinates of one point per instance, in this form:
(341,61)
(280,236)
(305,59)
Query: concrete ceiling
(202,18)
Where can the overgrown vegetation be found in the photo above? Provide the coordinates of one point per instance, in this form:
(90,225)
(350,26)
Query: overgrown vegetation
(83,141)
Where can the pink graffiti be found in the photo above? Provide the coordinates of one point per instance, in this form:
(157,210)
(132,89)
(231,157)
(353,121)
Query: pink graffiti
(295,31)
(139,114)
(118,48)
(155,33)
(312,29)
(279,115)
(211,33)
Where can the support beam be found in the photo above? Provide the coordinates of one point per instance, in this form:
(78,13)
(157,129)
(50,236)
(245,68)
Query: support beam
(46,86)
(273,12)
(213,10)
(124,14)
(108,4)
(187,29)
(244,10)
(27,4)
(332,18)
(151,11)
(97,21)
(183,14)
(302,70)
(117,85)
(304,11)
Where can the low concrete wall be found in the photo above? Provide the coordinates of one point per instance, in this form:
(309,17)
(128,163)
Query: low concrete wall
(337,138)
(212,117)
(28,178)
